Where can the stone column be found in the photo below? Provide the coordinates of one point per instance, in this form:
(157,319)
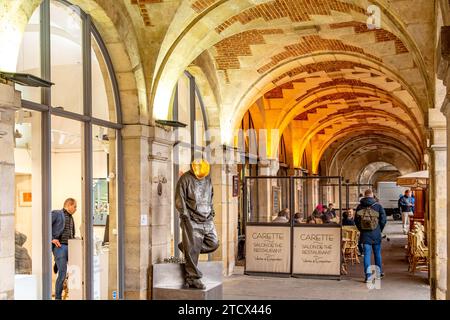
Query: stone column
(9,103)
(226,209)
(137,205)
(437,229)
(160,159)
(312,187)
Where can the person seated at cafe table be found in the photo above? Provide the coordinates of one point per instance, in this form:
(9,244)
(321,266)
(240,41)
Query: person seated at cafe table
(311,220)
(327,217)
(331,210)
(348,218)
(298,218)
(283,216)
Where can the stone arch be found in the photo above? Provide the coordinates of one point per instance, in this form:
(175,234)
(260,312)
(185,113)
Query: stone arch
(357,139)
(177,48)
(364,129)
(400,161)
(367,173)
(112,21)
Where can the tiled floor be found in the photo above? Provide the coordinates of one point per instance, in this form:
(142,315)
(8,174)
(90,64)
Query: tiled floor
(397,285)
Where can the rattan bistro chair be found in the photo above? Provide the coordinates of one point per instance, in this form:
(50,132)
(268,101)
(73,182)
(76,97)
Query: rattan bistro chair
(350,239)
(417,250)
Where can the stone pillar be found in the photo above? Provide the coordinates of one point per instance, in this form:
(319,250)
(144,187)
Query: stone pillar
(312,189)
(9,103)
(136,173)
(437,229)
(226,209)
(267,167)
(148,170)
(162,199)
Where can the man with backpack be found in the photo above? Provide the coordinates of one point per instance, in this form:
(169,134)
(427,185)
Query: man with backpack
(370,220)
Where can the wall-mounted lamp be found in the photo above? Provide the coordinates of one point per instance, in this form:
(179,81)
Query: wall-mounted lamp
(25,79)
(173,124)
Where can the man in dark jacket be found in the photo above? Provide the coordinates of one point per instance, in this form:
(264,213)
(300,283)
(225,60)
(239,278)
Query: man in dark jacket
(406,208)
(371,239)
(63,229)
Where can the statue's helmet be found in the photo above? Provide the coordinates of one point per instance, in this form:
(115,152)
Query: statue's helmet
(201,168)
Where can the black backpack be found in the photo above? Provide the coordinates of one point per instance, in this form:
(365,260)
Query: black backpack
(369,218)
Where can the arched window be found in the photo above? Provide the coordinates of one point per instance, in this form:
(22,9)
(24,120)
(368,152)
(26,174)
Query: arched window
(191,141)
(68,145)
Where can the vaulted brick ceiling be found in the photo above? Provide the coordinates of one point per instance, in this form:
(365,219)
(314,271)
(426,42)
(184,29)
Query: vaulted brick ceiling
(305,62)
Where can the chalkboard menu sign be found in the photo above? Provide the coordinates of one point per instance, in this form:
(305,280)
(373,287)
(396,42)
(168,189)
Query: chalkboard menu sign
(317,251)
(268,249)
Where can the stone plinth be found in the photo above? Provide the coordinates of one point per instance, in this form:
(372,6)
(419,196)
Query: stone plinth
(168,280)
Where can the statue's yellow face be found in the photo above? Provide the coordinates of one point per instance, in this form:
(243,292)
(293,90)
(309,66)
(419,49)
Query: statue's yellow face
(200,168)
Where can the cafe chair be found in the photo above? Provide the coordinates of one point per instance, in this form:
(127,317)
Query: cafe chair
(350,239)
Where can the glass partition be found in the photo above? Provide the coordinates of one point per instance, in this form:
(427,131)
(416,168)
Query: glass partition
(268,200)
(293,226)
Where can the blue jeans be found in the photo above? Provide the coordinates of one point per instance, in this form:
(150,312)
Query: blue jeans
(61,258)
(368,257)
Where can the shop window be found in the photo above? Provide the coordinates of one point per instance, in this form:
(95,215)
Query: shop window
(66,57)
(29,59)
(66,162)
(28,209)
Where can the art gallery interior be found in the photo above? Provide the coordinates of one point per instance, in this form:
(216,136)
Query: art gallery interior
(294,103)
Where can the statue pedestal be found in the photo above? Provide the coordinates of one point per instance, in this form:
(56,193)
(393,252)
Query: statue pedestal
(168,281)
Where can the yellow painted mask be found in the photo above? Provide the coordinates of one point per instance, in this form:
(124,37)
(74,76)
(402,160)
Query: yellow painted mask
(201,168)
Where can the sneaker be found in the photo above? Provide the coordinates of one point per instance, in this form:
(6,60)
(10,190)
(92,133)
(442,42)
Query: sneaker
(382,275)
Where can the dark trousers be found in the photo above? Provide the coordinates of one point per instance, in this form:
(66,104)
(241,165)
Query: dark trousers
(61,257)
(198,238)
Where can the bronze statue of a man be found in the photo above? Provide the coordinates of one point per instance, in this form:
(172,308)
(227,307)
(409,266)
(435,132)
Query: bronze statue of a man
(193,201)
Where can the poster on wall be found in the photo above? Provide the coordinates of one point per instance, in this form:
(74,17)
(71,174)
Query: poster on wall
(317,251)
(268,249)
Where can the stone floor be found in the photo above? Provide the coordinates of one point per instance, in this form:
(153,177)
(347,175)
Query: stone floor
(397,285)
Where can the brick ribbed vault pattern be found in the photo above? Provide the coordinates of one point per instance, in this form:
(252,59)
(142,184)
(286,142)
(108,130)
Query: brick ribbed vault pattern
(295,10)
(277,93)
(200,5)
(309,44)
(327,66)
(229,49)
(142,4)
(381,35)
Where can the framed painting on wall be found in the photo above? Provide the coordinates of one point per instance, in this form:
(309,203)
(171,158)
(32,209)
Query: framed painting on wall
(25,198)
